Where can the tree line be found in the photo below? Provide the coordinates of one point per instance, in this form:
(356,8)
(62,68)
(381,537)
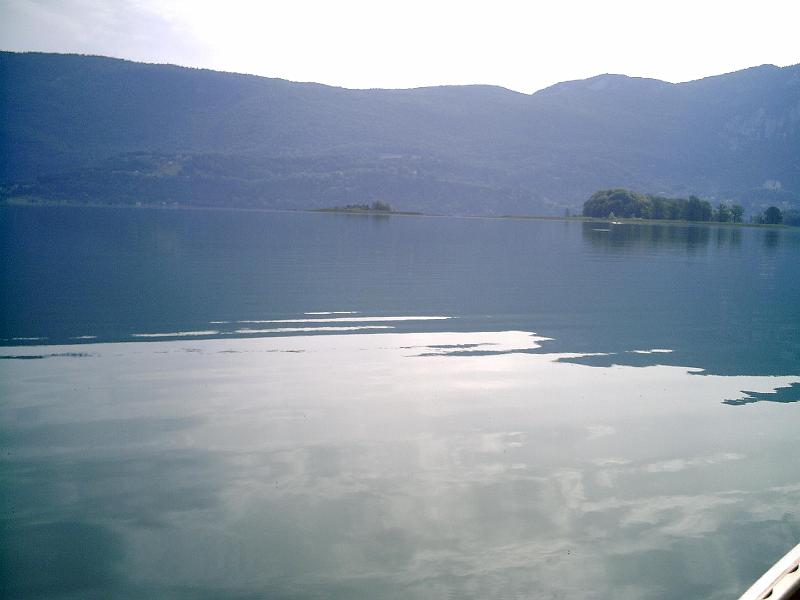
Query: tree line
(377,206)
(633,205)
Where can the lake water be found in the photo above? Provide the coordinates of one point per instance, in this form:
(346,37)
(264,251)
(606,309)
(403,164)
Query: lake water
(210,404)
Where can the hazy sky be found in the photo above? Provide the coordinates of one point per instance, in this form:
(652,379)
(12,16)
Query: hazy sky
(520,45)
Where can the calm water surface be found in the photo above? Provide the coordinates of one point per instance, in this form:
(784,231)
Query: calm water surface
(245,405)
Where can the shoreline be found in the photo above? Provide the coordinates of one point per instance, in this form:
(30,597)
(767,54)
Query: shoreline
(40,203)
(358,211)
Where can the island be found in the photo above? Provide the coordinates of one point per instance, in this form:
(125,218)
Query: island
(379,207)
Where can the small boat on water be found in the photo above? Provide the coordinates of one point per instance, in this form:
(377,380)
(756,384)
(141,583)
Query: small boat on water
(780,582)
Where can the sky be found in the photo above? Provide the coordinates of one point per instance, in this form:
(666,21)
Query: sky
(523,46)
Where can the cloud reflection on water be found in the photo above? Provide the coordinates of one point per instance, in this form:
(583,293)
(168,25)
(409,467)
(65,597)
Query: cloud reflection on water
(375,465)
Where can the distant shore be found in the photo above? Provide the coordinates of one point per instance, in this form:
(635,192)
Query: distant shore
(42,203)
(365,211)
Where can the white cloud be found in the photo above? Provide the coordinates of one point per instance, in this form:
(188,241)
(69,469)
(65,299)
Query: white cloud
(357,43)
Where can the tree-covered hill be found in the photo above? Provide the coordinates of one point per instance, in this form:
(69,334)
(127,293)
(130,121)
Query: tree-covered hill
(85,128)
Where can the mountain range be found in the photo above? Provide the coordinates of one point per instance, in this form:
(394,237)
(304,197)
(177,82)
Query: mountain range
(95,129)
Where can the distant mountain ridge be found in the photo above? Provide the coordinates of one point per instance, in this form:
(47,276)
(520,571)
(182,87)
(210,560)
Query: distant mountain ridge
(86,128)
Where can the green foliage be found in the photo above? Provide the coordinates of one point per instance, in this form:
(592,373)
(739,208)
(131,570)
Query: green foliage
(722,214)
(619,202)
(381,206)
(773,216)
(377,206)
(632,205)
(791,217)
(610,204)
(697,210)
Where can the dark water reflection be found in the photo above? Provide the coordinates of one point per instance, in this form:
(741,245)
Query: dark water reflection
(60,559)
(723,298)
(719,296)
(790,393)
(692,238)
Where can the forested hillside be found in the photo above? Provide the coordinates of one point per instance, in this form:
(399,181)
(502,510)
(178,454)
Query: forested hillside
(93,129)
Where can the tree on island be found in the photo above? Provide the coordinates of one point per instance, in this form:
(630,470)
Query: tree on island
(791,217)
(382,206)
(697,210)
(632,205)
(772,216)
(606,204)
(377,206)
(620,202)
(722,214)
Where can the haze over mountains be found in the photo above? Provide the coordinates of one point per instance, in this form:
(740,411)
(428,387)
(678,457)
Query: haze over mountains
(94,129)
